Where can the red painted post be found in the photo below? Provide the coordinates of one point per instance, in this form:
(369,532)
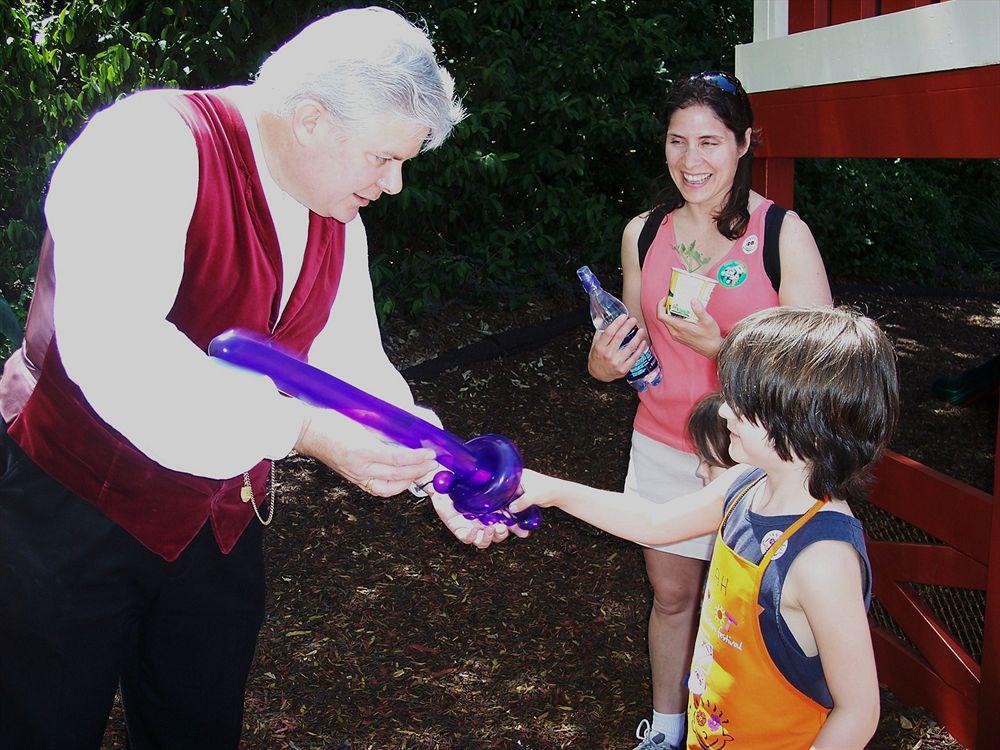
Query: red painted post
(775,179)
(821,13)
(869,8)
(894,6)
(989,693)
(844,11)
(805,15)
(800,15)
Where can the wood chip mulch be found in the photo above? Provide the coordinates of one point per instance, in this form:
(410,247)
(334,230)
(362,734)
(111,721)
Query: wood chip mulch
(383,632)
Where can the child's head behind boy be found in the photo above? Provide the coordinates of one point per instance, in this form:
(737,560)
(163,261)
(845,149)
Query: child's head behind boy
(710,437)
(821,383)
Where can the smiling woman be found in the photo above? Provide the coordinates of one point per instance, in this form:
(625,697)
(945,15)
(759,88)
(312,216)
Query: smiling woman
(708,221)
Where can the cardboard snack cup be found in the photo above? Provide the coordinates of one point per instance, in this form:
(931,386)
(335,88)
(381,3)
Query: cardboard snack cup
(684,287)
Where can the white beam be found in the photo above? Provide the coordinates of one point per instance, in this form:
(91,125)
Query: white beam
(770,19)
(945,36)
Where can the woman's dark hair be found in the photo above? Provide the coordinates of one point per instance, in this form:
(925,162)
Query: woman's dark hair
(822,382)
(709,433)
(730,103)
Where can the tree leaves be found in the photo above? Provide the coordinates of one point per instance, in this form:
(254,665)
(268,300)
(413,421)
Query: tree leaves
(10,326)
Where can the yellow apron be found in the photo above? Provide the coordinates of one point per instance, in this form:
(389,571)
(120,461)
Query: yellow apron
(737,695)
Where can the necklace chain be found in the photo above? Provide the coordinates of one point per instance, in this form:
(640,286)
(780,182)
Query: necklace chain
(246,495)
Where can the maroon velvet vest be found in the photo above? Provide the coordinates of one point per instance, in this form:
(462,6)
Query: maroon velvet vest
(232,278)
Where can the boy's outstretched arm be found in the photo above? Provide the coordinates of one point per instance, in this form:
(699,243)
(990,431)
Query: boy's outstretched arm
(828,586)
(628,515)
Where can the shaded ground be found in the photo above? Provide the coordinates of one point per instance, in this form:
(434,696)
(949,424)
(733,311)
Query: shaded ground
(382,632)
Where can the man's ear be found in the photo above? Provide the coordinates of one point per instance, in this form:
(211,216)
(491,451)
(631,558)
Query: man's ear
(309,120)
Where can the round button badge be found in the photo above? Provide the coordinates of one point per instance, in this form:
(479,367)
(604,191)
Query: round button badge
(732,274)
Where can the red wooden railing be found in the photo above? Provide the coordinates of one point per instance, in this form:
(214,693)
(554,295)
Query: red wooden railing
(928,665)
(945,114)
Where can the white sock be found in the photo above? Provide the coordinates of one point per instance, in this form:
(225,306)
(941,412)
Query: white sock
(671,725)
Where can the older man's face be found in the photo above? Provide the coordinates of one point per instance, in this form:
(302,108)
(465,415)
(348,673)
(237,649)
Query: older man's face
(335,173)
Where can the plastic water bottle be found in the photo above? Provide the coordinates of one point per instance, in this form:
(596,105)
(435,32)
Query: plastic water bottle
(604,308)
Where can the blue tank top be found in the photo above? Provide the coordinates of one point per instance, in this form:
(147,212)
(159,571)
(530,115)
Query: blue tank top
(744,534)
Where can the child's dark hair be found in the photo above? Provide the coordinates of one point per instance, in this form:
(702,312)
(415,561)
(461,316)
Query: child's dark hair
(709,433)
(725,96)
(822,382)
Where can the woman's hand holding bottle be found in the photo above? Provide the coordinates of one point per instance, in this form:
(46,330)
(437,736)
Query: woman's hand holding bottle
(608,360)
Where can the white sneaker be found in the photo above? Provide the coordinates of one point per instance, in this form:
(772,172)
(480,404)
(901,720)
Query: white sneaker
(650,741)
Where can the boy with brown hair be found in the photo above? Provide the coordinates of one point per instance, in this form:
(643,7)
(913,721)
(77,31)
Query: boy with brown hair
(783,658)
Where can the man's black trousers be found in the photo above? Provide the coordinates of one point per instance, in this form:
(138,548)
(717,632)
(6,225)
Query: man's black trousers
(85,608)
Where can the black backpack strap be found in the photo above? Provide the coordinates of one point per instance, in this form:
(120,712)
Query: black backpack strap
(649,230)
(772,231)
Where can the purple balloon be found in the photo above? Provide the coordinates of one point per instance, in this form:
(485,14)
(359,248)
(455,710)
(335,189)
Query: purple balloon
(484,473)
(443,480)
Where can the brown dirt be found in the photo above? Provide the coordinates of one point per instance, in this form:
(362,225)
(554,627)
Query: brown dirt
(383,632)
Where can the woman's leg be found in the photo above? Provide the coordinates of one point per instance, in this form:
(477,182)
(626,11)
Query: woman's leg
(673,624)
(676,572)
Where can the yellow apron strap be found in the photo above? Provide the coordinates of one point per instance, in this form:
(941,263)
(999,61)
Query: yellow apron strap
(799,523)
(736,500)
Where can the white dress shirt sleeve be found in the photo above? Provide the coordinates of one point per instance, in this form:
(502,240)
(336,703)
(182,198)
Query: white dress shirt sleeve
(350,345)
(118,208)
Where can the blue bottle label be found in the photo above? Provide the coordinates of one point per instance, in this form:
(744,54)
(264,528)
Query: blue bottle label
(645,364)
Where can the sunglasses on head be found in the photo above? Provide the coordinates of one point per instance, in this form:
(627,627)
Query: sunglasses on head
(722,81)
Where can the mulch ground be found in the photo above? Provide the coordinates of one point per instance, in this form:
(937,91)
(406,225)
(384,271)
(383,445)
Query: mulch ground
(383,632)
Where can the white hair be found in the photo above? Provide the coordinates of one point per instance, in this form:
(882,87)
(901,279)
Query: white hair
(362,65)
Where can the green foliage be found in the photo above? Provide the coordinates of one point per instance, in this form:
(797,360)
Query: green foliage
(561,147)
(65,61)
(928,221)
(10,326)
(980,215)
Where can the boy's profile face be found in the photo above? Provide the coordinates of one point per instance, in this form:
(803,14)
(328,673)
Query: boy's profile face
(749,443)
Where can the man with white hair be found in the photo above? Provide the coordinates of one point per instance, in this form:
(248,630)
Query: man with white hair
(134,464)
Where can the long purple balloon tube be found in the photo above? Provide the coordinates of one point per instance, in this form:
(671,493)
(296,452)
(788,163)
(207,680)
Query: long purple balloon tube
(487,469)
(310,384)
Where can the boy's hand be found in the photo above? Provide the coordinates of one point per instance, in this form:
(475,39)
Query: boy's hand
(539,489)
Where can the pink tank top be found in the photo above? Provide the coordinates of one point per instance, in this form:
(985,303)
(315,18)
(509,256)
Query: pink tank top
(743,288)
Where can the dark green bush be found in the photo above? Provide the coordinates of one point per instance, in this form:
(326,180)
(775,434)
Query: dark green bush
(904,220)
(66,60)
(561,147)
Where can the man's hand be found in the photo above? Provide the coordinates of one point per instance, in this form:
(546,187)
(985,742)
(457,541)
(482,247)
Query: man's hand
(359,456)
(471,531)
(465,530)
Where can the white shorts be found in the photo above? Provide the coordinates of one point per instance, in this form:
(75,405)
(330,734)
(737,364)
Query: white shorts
(660,473)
